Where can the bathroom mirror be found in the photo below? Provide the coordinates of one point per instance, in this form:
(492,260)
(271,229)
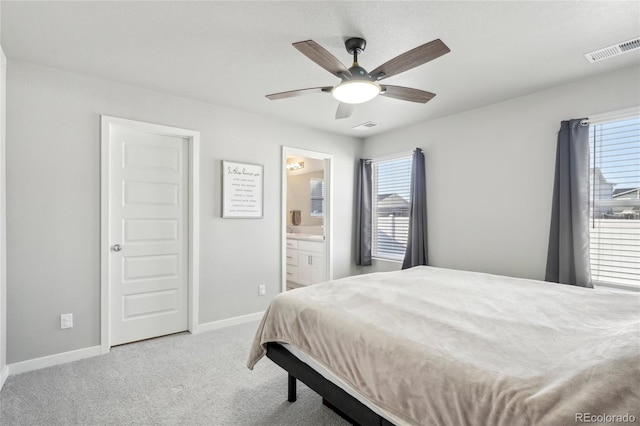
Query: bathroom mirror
(305,195)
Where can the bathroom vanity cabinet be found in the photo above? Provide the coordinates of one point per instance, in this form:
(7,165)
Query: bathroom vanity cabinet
(306,263)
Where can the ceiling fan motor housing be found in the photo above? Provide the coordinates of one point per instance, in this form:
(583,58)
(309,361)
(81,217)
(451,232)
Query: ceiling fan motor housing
(358,73)
(355,46)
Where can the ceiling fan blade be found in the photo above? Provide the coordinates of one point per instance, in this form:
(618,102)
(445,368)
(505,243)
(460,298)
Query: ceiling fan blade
(344,110)
(407,94)
(322,57)
(411,59)
(300,92)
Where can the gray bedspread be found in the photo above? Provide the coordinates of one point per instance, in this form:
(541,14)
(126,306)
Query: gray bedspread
(434,346)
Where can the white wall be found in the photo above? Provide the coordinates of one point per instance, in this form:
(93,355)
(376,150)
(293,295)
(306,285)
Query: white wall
(53,203)
(490,173)
(3,275)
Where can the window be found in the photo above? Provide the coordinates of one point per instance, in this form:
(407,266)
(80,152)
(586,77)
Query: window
(316,189)
(614,201)
(391,181)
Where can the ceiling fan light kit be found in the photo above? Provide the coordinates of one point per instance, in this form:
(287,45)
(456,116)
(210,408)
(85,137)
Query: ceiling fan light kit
(359,86)
(356,91)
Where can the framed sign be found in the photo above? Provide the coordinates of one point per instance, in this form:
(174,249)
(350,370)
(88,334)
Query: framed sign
(242,190)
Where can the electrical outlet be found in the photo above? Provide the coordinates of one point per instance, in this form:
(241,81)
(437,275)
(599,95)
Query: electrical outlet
(66,321)
(262,290)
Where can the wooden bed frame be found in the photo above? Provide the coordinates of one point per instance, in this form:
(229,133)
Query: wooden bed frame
(334,397)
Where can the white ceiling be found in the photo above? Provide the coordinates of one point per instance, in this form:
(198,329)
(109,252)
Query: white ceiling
(234,53)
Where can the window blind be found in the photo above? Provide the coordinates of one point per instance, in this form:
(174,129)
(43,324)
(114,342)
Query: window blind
(316,189)
(615,201)
(391,181)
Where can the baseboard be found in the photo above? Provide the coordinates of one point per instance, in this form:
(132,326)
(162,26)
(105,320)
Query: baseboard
(215,325)
(3,375)
(51,360)
(61,358)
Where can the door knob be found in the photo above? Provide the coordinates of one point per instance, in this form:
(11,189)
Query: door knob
(116,247)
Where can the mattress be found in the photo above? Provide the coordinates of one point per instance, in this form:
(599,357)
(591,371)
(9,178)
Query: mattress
(432,346)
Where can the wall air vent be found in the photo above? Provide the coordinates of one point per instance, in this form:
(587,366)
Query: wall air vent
(615,50)
(366,126)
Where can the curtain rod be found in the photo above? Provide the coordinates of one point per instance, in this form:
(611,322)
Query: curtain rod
(620,114)
(391,156)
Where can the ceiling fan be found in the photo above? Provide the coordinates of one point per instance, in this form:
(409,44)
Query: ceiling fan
(357,85)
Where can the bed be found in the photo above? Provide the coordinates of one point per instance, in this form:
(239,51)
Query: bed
(432,346)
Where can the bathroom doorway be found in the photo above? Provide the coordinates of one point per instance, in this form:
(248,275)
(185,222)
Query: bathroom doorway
(306,217)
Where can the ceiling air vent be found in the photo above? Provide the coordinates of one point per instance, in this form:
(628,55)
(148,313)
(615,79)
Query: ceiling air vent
(615,50)
(366,126)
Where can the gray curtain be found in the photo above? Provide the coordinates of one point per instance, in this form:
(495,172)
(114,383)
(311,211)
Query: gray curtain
(363,214)
(416,253)
(568,255)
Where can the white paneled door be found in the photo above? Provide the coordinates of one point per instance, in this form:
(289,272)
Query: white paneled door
(148,234)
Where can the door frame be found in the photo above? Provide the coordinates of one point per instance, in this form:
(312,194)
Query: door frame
(328,213)
(193,249)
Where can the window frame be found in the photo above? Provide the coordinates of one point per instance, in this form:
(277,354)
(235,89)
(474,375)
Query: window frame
(312,198)
(375,252)
(596,120)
